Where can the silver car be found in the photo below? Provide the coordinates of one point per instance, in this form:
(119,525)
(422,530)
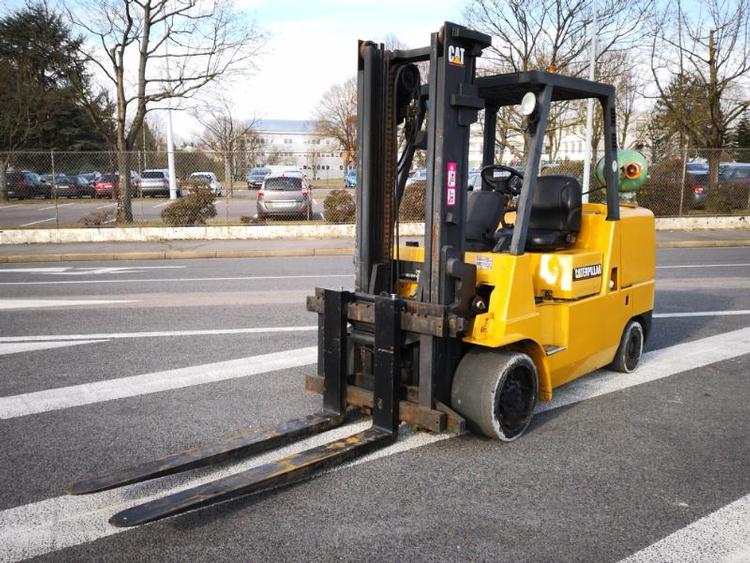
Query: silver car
(209,178)
(154,182)
(282,195)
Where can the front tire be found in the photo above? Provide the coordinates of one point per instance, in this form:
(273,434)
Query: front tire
(629,351)
(496,392)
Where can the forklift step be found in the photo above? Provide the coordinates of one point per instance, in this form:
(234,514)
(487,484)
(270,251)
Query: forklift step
(236,445)
(284,471)
(551,349)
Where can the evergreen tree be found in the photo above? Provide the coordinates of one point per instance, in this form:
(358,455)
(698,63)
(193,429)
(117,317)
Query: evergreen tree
(46,92)
(741,137)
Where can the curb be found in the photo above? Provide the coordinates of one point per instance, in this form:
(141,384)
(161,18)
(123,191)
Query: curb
(289,253)
(702,243)
(173,255)
(287,232)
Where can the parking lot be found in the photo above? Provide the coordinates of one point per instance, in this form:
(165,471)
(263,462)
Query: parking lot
(110,364)
(44,213)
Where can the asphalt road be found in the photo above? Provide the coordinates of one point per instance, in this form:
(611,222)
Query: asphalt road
(652,466)
(47,213)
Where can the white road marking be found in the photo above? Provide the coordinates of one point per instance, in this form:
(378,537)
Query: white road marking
(702,314)
(78,270)
(165,280)
(37,222)
(159,334)
(53,524)
(144,384)
(9,206)
(723,535)
(6,304)
(55,206)
(53,270)
(681,266)
(161,205)
(16,348)
(654,365)
(106,206)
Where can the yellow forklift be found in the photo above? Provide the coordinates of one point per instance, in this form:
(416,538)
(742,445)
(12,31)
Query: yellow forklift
(517,288)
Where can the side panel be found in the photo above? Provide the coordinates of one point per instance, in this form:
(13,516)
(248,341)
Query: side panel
(638,246)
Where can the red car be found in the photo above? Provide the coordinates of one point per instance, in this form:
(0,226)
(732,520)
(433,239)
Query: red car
(106,185)
(109,183)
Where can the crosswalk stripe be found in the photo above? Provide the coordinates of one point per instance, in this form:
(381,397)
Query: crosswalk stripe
(99,391)
(159,333)
(723,535)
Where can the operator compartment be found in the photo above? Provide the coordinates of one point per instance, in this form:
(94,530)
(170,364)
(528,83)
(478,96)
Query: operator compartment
(566,274)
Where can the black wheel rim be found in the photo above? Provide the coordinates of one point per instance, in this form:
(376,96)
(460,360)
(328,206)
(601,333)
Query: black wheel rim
(633,348)
(515,401)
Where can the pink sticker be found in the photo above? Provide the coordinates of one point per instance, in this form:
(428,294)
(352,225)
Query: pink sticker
(451,180)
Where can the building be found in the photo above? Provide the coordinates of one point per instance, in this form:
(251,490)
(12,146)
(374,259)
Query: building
(288,142)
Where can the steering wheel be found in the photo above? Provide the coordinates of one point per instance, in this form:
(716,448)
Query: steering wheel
(508,185)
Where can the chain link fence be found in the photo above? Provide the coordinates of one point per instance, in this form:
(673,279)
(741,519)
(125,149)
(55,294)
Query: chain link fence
(80,189)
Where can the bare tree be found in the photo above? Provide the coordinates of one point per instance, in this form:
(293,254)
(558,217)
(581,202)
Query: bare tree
(154,50)
(705,51)
(273,156)
(224,133)
(542,34)
(613,68)
(312,161)
(336,117)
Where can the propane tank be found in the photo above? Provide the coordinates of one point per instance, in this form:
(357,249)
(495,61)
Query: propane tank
(632,169)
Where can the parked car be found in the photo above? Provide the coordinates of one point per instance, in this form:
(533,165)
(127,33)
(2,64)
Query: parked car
(60,185)
(91,176)
(84,185)
(209,178)
(284,195)
(155,182)
(474,182)
(419,175)
(256,176)
(735,172)
(697,188)
(698,167)
(109,184)
(350,180)
(23,184)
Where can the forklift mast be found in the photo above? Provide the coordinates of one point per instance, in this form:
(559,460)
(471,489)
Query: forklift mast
(452,103)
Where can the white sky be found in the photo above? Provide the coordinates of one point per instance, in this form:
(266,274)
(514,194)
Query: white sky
(313,45)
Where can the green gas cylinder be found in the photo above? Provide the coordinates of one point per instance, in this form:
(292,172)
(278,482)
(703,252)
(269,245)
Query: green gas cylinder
(632,169)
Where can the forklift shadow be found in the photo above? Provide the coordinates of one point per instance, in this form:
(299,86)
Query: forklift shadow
(202,517)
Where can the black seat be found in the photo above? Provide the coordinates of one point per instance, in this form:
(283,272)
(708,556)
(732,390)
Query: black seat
(555,213)
(553,224)
(483,211)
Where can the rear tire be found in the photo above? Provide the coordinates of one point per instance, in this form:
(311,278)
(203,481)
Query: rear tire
(496,392)
(630,349)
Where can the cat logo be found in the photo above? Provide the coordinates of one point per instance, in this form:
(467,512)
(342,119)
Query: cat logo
(456,55)
(586,272)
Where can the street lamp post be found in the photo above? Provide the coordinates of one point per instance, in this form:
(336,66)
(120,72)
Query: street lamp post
(170,137)
(590,108)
